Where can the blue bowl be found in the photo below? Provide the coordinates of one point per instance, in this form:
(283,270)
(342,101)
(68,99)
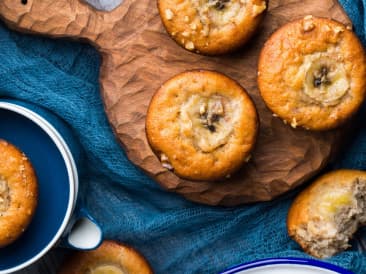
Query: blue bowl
(286,266)
(57,180)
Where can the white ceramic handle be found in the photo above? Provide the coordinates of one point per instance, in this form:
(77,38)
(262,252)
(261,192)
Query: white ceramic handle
(85,234)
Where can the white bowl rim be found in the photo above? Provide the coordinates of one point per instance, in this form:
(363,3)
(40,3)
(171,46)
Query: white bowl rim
(286,261)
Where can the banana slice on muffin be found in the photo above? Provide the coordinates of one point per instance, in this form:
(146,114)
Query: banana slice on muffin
(110,257)
(326,82)
(323,218)
(18,193)
(211,26)
(312,73)
(202,125)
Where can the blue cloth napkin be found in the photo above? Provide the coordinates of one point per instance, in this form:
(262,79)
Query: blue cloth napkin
(175,235)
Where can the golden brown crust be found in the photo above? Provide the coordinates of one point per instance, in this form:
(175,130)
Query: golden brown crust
(179,136)
(199,26)
(289,60)
(18,193)
(109,253)
(318,200)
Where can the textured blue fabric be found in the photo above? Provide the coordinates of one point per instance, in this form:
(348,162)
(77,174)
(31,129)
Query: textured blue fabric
(356,11)
(175,235)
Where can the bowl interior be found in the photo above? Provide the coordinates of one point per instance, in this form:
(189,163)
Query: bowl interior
(287,269)
(54,188)
(287,265)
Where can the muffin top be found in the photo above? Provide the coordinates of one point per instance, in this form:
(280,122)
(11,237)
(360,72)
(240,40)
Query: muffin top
(311,73)
(202,125)
(18,192)
(110,257)
(323,217)
(211,26)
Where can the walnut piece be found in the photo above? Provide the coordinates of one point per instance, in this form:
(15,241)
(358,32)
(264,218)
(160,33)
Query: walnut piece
(308,24)
(169,14)
(165,162)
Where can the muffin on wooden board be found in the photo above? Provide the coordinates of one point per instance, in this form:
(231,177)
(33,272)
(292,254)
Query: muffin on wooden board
(312,73)
(110,257)
(323,218)
(211,26)
(202,124)
(18,193)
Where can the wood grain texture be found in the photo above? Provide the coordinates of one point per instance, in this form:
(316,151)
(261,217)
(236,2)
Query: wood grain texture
(138,56)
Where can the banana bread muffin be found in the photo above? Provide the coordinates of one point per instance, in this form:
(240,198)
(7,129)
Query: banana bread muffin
(211,26)
(323,218)
(312,73)
(110,258)
(202,124)
(18,193)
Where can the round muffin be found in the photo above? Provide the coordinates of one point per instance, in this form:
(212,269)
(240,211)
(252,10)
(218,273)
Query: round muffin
(202,124)
(311,73)
(109,258)
(18,193)
(211,26)
(323,218)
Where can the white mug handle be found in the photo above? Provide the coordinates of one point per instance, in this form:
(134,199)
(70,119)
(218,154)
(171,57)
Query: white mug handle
(84,233)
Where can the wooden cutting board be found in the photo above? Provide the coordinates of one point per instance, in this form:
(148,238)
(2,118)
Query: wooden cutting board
(138,56)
